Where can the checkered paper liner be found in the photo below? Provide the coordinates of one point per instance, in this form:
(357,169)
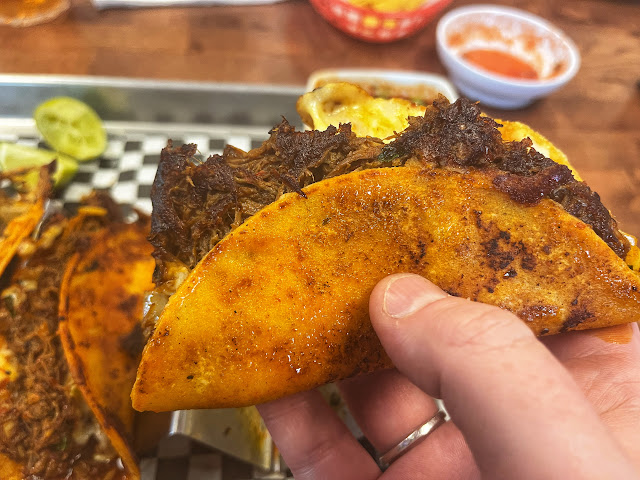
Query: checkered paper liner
(128,166)
(181,458)
(126,170)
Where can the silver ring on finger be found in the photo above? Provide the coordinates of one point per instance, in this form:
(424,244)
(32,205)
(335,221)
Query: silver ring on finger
(412,440)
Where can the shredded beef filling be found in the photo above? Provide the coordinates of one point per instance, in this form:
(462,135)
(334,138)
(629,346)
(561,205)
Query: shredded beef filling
(196,204)
(40,410)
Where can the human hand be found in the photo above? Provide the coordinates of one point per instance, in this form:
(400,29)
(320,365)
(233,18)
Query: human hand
(564,408)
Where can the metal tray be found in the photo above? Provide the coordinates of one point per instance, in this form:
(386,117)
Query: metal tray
(140,116)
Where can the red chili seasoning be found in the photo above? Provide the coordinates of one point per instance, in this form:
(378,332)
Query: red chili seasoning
(501,63)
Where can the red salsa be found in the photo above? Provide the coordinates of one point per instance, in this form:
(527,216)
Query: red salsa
(501,63)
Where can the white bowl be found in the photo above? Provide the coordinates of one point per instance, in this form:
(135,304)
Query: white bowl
(419,83)
(553,56)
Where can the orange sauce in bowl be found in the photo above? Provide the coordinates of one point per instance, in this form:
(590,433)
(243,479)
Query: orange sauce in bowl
(501,63)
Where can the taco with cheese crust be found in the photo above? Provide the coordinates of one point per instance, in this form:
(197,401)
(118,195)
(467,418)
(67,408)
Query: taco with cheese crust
(265,259)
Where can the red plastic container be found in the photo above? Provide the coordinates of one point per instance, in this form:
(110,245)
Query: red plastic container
(374,26)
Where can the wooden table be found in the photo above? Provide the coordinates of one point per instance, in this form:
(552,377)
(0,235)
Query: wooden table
(595,119)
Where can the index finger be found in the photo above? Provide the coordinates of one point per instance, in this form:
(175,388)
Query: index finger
(520,411)
(605,363)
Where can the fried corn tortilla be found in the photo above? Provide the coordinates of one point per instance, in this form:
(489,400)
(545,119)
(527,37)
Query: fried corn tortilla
(271,288)
(19,215)
(101,304)
(10,470)
(47,428)
(281,303)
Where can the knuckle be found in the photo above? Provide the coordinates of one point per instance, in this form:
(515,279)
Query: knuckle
(291,420)
(315,460)
(612,391)
(286,414)
(623,395)
(485,328)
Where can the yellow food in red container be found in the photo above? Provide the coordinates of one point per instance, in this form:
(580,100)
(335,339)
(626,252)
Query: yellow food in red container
(379,21)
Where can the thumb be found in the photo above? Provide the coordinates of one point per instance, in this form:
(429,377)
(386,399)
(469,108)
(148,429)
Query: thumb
(518,408)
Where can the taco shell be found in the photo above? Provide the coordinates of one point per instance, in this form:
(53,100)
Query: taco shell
(280,304)
(100,308)
(21,216)
(10,470)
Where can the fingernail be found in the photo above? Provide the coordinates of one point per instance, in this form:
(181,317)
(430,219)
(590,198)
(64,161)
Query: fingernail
(406,294)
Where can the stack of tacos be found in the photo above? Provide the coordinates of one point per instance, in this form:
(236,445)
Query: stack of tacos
(72,290)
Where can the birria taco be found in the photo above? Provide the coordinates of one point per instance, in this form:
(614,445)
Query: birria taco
(265,259)
(68,333)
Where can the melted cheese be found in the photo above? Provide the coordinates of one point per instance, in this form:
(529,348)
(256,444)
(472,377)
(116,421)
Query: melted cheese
(337,103)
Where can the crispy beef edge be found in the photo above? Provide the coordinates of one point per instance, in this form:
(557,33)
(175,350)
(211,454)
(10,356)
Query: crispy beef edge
(458,136)
(448,136)
(195,203)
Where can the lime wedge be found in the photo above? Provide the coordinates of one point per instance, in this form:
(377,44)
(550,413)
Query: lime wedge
(19,157)
(72,127)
